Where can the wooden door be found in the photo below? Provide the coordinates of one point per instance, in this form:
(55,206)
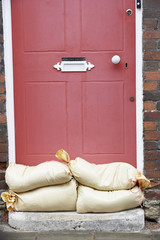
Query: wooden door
(89,114)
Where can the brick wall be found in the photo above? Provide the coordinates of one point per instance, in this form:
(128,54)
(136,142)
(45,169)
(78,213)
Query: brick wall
(3,125)
(151,76)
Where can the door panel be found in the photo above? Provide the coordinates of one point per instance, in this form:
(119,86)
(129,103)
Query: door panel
(103,135)
(45,104)
(102,25)
(89,114)
(39,26)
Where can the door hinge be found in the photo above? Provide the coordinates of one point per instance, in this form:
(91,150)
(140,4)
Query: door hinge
(138,3)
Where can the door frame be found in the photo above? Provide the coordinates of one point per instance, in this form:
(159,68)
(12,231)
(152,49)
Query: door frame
(8,59)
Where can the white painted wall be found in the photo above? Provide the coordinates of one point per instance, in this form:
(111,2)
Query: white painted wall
(7,26)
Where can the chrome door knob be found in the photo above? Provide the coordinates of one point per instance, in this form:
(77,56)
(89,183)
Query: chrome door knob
(116,59)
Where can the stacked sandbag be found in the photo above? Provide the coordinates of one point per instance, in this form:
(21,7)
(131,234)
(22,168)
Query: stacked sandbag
(60,197)
(21,178)
(111,176)
(92,200)
(52,186)
(48,186)
(106,187)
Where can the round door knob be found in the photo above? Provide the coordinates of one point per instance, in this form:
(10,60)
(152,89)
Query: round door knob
(116,59)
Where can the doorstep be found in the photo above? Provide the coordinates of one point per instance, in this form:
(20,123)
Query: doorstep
(125,221)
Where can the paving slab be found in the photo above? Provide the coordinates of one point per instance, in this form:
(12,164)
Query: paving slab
(155,234)
(8,233)
(66,235)
(18,236)
(123,236)
(131,220)
(78,235)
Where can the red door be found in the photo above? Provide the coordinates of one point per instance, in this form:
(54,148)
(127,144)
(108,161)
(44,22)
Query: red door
(89,114)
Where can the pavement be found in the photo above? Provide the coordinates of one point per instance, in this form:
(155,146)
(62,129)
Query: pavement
(7,233)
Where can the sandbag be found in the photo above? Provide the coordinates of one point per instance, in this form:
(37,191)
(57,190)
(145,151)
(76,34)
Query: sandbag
(21,178)
(112,176)
(91,200)
(51,198)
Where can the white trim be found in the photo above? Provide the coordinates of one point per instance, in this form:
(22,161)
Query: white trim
(7,35)
(139,91)
(6,4)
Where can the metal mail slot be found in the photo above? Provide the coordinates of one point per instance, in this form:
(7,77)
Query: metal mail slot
(73,65)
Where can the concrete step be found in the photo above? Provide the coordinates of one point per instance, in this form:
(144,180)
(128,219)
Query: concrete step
(125,221)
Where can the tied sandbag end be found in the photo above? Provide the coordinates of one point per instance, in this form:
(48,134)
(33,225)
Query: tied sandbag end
(143,181)
(10,200)
(63,155)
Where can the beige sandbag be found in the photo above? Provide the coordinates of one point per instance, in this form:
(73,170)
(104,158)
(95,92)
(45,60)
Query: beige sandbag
(91,200)
(51,198)
(21,178)
(112,176)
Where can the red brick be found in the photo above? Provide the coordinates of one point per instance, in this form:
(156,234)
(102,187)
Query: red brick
(150,55)
(151,116)
(157,163)
(150,4)
(150,23)
(2,88)
(2,166)
(150,125)
(158,106)
(2,176)
(152,195)
(150,65)
(148,105)
(2,98)
(150,86)
(3,157)
(151,95)
(155,184)
(3,148)
(149,44)
(2,79)
(152,174)
(151,12)
(152,75)
(152,136)
(149,165)
(3,185)
(149,145)
(5,217)
(2,118)
(152,155)
(1,38)
(151,34)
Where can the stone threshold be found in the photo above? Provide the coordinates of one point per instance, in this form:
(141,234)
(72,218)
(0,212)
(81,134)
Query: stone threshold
(124,221)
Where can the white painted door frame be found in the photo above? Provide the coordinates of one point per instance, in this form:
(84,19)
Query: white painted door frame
(7,31)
